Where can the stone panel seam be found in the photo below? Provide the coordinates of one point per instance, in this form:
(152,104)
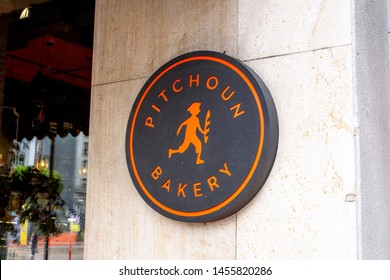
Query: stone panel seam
(120,81)
(297,52)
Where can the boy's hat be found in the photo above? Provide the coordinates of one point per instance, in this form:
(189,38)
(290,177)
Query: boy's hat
(194,106)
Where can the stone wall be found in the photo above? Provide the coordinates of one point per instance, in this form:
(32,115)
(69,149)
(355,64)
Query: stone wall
(303,52)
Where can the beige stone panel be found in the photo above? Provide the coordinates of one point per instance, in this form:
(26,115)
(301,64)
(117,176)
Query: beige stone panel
(119,224)
(276,27)
(134,38)
(307,208)
(108,179)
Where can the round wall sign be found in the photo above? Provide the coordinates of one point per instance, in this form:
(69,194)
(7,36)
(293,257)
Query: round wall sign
(202,137)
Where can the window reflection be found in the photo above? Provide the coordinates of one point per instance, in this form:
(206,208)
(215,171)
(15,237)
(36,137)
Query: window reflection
(70,160)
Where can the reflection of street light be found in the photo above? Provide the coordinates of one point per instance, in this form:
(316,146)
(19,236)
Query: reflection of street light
(42,164)
(83,170)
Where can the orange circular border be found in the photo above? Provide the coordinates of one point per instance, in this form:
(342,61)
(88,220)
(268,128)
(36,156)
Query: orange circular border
(257,158)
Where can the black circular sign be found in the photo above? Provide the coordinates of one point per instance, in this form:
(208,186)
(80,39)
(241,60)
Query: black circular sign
(202,137)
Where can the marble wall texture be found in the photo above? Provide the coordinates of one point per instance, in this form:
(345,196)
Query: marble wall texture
(304,52)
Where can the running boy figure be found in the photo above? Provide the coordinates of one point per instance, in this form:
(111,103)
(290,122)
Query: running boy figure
(192,125)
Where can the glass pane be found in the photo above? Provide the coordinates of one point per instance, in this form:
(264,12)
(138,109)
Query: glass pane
(70,161)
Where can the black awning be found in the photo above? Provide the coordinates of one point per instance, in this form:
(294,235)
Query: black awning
(44,107)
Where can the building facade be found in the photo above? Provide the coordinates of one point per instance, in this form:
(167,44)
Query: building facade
(326,65)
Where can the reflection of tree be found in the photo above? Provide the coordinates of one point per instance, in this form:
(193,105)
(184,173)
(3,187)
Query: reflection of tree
(40,195)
